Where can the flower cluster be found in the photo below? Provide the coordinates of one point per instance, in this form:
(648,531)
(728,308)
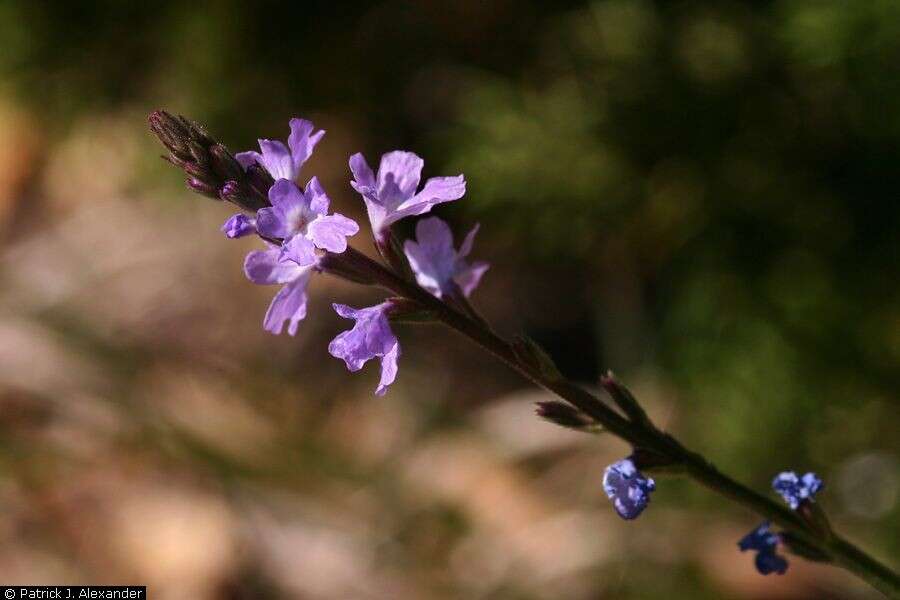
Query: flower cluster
(795,490)
(302,238)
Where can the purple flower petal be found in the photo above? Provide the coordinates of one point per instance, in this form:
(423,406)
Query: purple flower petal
(331,232)
(302,141)
(267,267)
(270,223)
(469,241)
(276,158)
(439,189)
(469,279)
(289,304)
(400,173)
(370,337)
(318,199)
(285,195)
(388,370)
(238,226)
(363,178)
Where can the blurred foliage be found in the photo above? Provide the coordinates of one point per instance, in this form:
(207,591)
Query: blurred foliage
(699,195)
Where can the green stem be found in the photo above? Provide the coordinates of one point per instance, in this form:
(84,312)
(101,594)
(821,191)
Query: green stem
(644,435)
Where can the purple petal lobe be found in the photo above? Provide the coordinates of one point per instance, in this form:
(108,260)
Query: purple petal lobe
(300,250)
(301,142)
(318,199)
(331,232)
(276,158)
(388,370)
(469,241)
(400,171)
(267,267)
(285,195)
(363,178)
(468,279)
(440,189)
(271,223)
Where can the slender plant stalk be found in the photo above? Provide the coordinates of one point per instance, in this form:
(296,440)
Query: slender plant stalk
(214,172)
(828,546)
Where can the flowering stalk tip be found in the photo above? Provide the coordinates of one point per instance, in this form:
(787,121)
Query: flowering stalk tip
(208,164)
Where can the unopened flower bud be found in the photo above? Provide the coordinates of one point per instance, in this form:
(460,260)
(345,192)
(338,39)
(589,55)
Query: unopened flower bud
(224,164)
(202,188)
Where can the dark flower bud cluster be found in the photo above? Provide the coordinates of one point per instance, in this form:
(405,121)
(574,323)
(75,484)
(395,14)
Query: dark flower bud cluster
(210,168)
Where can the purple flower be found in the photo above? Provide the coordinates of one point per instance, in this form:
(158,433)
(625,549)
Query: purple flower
(627,488)
(239,225)
(764,542)
(370,337)
(300,219)
(796,489)
(439,268)
(284,162)
(391,195)
(268,267)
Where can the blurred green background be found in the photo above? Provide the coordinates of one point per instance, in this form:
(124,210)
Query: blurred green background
(701,196)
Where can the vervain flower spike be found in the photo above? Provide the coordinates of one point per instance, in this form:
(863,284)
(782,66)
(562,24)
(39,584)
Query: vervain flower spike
(430,280)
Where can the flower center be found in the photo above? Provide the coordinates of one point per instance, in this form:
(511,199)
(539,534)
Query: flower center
(298,220)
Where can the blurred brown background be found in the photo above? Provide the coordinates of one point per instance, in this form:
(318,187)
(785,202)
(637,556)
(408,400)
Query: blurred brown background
(701,196)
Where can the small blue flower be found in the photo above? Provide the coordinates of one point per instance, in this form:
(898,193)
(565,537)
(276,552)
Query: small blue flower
(796,489)
(627,488)
(764,542)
